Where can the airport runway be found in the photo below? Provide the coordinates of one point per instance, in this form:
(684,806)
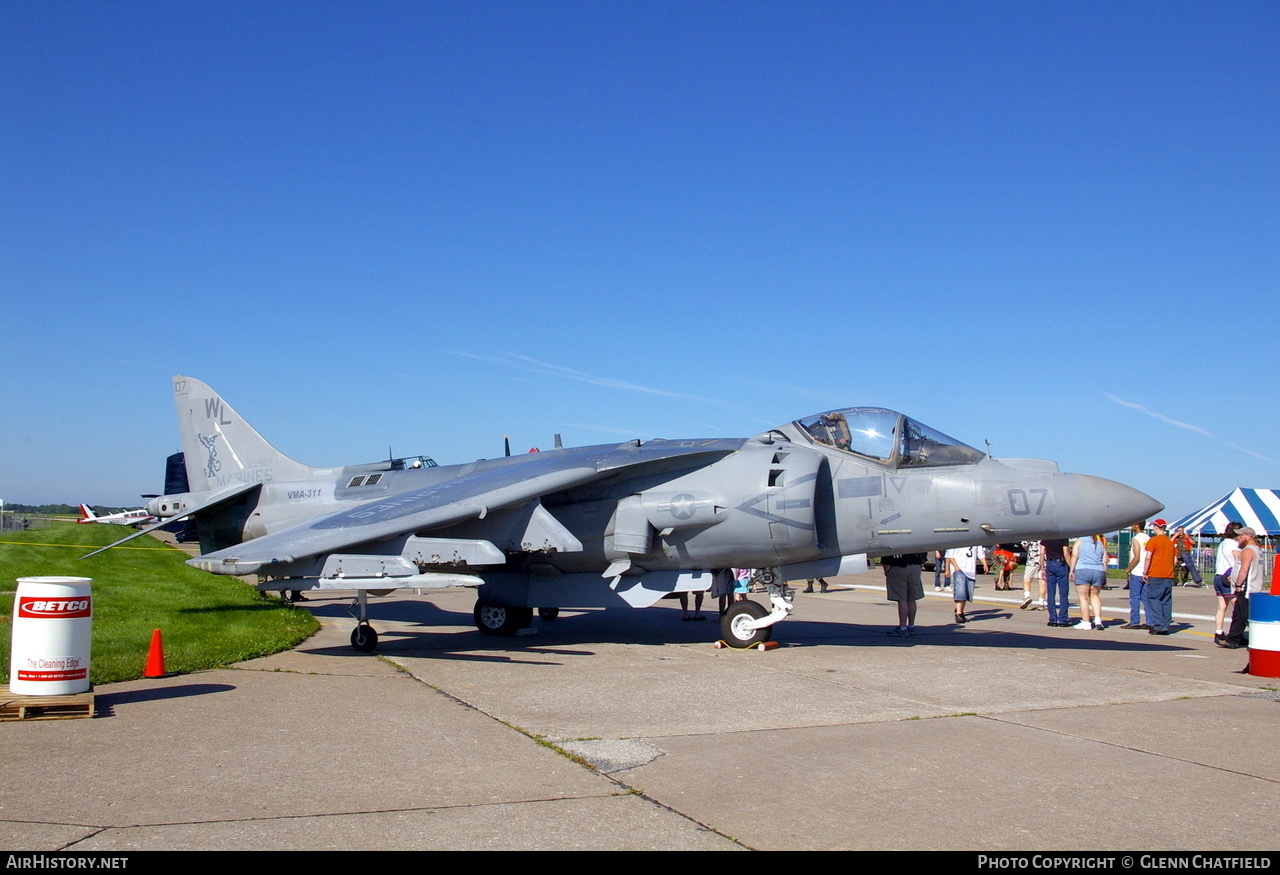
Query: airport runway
(627,730)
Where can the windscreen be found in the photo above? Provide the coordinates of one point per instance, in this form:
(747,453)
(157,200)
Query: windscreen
(887,436)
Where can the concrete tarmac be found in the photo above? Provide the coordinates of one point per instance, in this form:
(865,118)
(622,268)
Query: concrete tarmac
(626,729)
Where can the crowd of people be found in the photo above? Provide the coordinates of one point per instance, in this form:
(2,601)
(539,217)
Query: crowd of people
(1053,566)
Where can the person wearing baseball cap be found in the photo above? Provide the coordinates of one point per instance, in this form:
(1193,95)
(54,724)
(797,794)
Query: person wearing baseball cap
(1159,579)
(1247,580)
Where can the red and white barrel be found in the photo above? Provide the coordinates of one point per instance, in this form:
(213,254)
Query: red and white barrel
(52,629)
(1264,635)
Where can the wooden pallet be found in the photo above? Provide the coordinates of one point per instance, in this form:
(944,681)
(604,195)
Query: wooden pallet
(15,707)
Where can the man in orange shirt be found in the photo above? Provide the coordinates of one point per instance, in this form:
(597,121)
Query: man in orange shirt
(1159,579)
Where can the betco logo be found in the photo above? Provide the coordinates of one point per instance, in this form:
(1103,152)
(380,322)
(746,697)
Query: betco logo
(45,608)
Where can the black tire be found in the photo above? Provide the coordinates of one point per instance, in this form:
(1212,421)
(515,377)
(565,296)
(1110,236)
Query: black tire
(548,613)
(739,613)
(495,618)
(364,638)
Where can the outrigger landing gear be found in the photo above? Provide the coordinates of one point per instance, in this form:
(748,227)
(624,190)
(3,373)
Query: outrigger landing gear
(363,637)
(749,623)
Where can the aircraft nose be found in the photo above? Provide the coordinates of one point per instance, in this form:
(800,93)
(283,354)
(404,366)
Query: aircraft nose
(1093,505)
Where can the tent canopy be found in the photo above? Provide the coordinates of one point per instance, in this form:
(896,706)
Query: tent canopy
(1258,508)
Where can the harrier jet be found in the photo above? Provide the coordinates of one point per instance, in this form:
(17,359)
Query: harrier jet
(616,524)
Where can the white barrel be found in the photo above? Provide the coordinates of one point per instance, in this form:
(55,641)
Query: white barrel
(52,630)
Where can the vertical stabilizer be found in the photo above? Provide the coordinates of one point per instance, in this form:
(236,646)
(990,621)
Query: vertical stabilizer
(222,449)
(175,475)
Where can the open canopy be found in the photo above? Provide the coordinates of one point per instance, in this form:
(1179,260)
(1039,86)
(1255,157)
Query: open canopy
(1257,508)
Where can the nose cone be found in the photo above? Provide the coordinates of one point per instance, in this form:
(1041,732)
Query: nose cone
(1091,505)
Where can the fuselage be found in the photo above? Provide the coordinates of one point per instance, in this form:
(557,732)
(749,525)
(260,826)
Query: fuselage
(139,517)
(616,524)
(779,499)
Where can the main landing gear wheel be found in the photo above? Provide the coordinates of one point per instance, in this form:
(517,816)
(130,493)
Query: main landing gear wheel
(364,638)
(494,618)
(548,613)
(735,625)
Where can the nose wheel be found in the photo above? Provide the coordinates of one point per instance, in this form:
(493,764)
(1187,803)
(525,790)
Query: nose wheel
(747,623)
(738,626)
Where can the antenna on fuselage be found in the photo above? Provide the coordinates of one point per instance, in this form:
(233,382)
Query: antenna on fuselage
(559,443)
(506,445)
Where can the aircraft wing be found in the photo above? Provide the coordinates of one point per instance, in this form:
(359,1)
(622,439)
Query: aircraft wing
(470,496)
(213,501)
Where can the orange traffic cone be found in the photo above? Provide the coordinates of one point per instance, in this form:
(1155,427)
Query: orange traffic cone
(155,659)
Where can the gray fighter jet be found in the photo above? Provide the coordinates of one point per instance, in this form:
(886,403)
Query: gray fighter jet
(617,524)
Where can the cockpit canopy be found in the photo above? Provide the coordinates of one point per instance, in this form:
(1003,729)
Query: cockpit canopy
(887,437)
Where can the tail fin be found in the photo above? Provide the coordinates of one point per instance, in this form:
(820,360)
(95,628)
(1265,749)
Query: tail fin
(175,475)
(86,514)
(221,449)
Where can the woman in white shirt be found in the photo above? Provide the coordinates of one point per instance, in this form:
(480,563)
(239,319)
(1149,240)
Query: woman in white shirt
(1224,564)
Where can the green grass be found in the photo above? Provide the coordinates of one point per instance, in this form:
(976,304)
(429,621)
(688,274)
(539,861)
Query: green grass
(206,620)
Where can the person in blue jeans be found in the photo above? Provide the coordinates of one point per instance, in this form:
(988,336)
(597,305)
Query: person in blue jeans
(1057,575)
(1137,571)
(1159,579)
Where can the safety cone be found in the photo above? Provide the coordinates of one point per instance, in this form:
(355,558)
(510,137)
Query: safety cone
(155,659)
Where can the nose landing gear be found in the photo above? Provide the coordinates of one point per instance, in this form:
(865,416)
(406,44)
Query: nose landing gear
(747,624)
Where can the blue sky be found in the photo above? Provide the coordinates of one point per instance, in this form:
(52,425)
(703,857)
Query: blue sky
(424,225)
